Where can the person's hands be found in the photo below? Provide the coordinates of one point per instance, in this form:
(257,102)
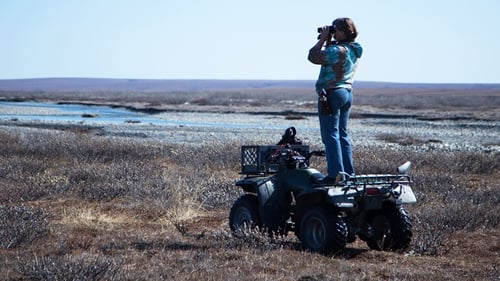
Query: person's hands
(323,37)
(325,34)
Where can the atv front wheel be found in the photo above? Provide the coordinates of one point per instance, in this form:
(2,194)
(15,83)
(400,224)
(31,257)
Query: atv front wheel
(392,229)
(323,231)
(244,214)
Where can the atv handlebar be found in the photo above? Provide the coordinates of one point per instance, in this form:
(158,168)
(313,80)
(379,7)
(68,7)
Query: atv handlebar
(315,153)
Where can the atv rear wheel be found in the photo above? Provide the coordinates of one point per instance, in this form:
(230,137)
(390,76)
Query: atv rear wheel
(323,231)
(392,229)
(244,214)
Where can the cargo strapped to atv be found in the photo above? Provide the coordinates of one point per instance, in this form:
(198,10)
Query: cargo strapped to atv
(259,160)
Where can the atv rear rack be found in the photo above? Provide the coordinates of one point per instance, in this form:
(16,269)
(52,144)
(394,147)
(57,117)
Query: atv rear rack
(378,179)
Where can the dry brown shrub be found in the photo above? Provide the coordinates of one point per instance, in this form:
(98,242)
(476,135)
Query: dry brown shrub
(21,225)
(68,268)
(133,210)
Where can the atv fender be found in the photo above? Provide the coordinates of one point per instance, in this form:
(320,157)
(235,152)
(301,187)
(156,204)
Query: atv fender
(304,201)
(406,195)
(341,198)
(264,187)
(252,184)
(334,197)
(274,202)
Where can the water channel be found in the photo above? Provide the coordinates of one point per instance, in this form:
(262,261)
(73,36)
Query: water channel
(207,126)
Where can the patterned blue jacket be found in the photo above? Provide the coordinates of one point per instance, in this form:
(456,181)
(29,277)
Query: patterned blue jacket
(338,64)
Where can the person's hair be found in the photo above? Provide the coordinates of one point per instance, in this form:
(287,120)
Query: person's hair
(347,26)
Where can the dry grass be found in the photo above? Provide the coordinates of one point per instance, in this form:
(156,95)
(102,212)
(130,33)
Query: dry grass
(80,207)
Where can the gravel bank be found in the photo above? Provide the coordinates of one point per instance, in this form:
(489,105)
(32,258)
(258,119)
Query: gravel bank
(201,128)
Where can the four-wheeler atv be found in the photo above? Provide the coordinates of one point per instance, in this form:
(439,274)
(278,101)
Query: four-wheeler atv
(283,193)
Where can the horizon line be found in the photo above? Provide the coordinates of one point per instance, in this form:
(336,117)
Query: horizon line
(239,79)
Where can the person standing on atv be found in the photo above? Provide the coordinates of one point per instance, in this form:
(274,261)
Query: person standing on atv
(338,60)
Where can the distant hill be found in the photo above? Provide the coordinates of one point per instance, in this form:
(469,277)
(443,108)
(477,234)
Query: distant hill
(167,85)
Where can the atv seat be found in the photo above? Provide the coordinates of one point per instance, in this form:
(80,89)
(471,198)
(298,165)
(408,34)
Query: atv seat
(322,180)
(318,179)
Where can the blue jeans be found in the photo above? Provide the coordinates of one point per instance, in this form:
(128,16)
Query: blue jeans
(334,134)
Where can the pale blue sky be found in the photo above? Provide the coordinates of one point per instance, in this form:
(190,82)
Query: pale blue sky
(425,41)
